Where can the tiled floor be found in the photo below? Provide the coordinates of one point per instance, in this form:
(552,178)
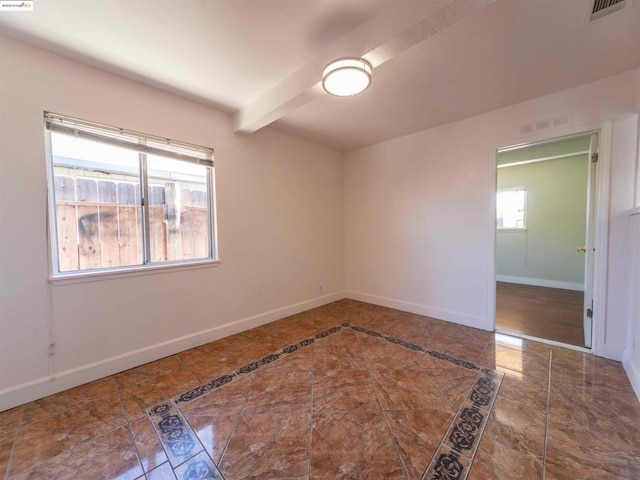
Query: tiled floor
(349,391)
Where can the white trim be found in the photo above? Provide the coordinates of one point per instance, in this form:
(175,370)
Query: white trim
(601,244)
(42,387)
(473,321)
(73,126)
(612,353)
(632,312)
(632,373)
(541,159)
(541,282)
(123,272)
(492,251)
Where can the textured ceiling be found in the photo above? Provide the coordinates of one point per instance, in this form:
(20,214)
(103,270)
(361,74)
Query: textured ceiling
(436,61)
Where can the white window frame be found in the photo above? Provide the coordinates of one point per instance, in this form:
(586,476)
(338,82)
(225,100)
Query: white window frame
(143,144)
(524,215)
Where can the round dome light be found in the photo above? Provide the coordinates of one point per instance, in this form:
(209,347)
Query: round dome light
(346,76)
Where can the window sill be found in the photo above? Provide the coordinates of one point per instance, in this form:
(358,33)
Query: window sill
(511,230)
(112,274)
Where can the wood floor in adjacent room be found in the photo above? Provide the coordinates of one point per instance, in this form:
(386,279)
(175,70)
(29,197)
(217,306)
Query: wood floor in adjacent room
(550,313)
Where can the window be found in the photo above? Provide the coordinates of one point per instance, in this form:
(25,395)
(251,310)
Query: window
(121,200)
(510,208)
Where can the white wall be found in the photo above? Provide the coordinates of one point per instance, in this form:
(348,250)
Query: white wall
(637,192)
(416,233)
(280,224)
(419,215)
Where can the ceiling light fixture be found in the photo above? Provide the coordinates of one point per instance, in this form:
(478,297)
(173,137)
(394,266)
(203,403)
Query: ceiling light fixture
(346,76)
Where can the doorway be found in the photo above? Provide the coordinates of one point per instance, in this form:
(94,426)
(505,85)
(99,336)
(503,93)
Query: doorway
(545,206)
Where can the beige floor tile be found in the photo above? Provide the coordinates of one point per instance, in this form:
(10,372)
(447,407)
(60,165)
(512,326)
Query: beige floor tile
(149,447)
(343,390)
(278,392)
(226,400)
(496,461)
(112,455)
(348,405)
(59,402)
(532,392)
(214,432)
(531,364)
(517,427)
(137,398)
(417,434)
(44,439)
(348,445)
(587,454)
(268,446)
(408,390)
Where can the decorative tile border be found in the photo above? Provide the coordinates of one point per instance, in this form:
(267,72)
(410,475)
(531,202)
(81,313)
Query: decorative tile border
(288,350)
(454,456)
(199,467)
(175,434)
(452,460)
(416,348)
(251,367)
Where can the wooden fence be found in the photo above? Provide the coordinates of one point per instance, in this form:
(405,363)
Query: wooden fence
(100,224)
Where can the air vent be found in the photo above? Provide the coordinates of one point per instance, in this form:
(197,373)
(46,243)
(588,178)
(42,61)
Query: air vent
(605,7)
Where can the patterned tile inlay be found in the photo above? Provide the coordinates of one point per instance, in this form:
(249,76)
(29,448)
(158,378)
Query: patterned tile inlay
(253,366)
(452,460)
(416,348)
(460,443)
(199,467)
(175,434)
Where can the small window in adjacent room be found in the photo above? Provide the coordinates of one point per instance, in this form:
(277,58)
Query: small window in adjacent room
(121,200)
(511,208)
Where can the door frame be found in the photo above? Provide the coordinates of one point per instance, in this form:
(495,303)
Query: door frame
(601,237)
(589,260)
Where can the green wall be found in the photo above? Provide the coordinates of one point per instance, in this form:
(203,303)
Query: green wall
(555,216)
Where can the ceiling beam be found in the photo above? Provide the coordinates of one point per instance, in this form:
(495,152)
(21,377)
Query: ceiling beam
(385,35)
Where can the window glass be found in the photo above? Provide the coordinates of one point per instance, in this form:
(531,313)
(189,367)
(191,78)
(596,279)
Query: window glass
(510,208)
(122,200)
(178,219)
(97,204)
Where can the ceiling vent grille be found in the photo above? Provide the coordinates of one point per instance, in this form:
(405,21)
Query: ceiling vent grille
(604,7)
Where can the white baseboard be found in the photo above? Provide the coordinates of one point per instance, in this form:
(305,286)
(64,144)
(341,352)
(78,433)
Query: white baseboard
(632,373)
(42,387)
(541,282)
(447,315)
(612,353)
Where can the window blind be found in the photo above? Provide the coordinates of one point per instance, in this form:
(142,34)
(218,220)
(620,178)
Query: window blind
(131,140)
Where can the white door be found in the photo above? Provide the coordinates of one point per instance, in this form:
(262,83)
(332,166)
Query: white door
(590,240)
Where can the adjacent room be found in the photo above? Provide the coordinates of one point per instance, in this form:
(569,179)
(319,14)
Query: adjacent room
(320,239)
(542,220)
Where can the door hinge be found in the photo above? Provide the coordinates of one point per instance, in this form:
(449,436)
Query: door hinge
(594,157)
(589,313)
